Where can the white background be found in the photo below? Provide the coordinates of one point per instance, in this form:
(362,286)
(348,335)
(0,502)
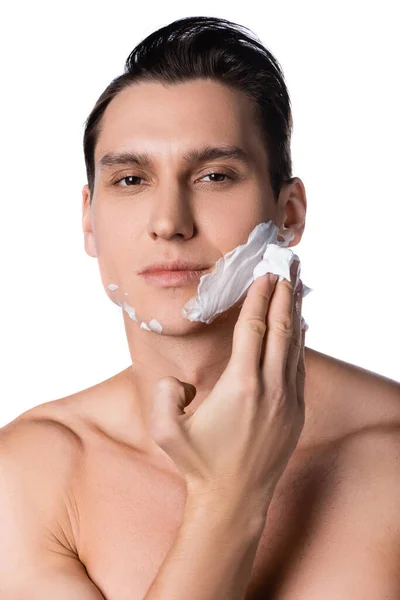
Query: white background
(59,331)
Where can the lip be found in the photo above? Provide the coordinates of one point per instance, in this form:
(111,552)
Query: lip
(173,278)
(172,265)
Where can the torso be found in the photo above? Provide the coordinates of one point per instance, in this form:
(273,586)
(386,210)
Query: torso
(326,519)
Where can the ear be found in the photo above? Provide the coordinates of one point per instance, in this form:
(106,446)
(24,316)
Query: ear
(87,225)
(292,209)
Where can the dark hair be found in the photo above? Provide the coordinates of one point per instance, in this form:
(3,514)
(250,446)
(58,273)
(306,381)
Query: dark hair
(208,47)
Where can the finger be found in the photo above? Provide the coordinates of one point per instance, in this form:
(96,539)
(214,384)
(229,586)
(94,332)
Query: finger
(170,397)
(296,341)
(250,328)
(279,331)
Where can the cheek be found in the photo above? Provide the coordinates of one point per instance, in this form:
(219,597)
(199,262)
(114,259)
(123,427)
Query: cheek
(116,258)
(112,224)
(114,234)
(235,234)
(110,251)
(232,224)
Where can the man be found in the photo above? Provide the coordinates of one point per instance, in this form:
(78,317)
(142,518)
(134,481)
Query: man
(91,504)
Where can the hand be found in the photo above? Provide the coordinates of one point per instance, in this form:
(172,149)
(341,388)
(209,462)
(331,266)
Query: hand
(240,439)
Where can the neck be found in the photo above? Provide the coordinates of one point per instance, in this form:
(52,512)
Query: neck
(199,358)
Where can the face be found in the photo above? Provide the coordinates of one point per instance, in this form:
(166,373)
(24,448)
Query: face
(171,207)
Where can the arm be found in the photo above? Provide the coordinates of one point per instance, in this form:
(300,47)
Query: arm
(33,564)
(237,442)
(211,558)
(213,553)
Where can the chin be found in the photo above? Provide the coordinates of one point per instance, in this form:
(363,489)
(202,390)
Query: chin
(168,314)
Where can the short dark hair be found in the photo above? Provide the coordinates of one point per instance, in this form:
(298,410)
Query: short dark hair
(217,49)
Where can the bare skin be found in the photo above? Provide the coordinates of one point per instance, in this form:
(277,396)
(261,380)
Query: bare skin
(332,529)
(89,494)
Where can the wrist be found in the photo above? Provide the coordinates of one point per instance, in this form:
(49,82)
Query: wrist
(226,513)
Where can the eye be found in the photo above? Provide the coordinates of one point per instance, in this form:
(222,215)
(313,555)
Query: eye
(126,177)
(217,173)
(136,177)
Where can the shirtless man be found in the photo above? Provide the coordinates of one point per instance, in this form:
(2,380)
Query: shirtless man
(92,504)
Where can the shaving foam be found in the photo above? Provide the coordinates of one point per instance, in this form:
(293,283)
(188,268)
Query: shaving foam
(235,272)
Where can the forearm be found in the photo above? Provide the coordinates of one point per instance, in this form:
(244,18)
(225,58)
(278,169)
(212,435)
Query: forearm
(212,555)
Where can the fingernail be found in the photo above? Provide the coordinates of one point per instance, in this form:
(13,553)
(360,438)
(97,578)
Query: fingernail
(273,278)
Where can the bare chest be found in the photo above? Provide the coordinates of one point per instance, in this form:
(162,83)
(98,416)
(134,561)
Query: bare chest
(130,513)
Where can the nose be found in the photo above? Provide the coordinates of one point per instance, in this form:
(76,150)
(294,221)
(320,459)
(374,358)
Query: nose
(171,216)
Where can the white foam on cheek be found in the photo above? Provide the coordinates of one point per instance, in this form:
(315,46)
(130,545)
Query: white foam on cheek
(235,272)
(131,311)
(153,325)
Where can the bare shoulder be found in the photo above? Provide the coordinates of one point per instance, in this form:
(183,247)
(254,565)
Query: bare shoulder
(41,437)
(355,415)
(368,486)
(345,400)
(104,407)
(50,438)
(355,422)
(39,460)
(372,401)
(370,406)
(34,431)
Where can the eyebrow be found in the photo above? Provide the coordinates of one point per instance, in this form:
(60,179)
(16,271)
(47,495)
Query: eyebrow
(195,155)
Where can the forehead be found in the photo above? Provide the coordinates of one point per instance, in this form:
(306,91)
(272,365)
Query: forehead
(159,118)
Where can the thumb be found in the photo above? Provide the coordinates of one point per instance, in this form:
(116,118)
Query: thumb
(171,396)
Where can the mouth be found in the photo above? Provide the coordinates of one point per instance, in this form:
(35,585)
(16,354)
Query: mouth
(173,278)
